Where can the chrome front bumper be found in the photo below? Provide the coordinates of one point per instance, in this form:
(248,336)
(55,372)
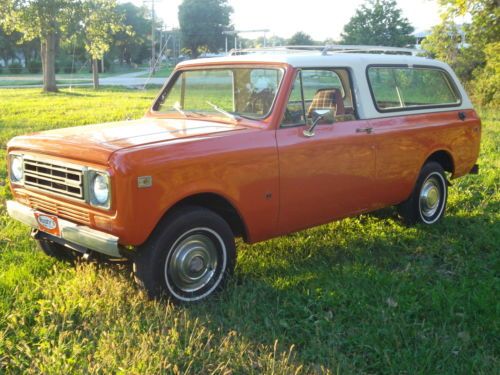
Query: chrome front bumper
(73,233)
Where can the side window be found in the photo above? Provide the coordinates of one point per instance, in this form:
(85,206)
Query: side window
(319,89)
(294,114)
(410,88)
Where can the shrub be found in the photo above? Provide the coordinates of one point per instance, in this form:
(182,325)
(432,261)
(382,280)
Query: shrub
(15,68)
(486,85)
(34,66)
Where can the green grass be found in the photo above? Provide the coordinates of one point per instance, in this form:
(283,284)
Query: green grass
(26,79)
(361,295)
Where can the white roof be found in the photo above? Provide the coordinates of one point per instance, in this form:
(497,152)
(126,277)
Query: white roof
(356,62)
(316,59)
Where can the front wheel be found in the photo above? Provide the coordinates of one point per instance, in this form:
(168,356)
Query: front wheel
(428,200)
(188,257)
(58,251)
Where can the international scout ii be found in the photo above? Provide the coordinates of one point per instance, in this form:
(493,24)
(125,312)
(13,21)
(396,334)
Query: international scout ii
(253,145)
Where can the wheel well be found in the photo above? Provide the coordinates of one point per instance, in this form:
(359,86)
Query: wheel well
(220,206)
(444,158)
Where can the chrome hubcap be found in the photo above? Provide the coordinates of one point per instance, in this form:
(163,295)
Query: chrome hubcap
(193,262)
(430,197)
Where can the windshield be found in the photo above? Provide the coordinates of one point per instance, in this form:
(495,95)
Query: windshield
(233,92)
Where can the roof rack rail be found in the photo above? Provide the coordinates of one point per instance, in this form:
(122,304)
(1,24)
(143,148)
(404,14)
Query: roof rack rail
(325,50)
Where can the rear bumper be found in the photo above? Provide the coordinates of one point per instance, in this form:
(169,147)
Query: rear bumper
(73,233)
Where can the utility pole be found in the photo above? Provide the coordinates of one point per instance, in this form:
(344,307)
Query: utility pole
(153,32)
(153,60)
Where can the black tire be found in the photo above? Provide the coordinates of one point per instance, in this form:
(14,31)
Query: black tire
(57,251)
(427,203)
(188,257)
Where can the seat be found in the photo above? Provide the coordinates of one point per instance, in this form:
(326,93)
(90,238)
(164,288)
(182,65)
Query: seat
(330,98)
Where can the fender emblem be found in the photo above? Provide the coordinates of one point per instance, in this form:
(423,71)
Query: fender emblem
(144,181)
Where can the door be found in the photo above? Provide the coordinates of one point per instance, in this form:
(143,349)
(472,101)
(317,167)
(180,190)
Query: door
(330,174)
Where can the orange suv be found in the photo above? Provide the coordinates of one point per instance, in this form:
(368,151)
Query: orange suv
(254,145)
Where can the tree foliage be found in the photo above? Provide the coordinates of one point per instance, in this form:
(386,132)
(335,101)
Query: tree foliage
(477,61)
(378,22)
(300,38)
(47,20)
(130,43)
(99,22)
(202,23)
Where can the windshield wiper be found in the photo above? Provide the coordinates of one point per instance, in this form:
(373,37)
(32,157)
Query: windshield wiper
(224,112)
(177,107)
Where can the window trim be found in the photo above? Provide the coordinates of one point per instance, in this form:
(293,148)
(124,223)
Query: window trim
(451,83)
(351,86)
(173,78)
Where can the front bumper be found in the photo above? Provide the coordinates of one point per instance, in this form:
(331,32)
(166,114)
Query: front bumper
(73,233)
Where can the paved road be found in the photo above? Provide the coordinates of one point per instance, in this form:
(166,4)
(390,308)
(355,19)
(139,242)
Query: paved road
(129,80)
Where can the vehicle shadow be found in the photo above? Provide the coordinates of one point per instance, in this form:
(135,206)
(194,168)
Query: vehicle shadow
(343,298)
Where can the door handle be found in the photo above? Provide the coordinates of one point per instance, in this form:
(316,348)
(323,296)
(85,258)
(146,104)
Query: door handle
(461,116)
(364,130)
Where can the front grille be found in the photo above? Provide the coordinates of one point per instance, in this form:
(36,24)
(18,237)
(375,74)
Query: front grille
(54,177)
(71,213)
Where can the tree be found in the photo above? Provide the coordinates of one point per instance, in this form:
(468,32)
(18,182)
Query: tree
(445,43)
(129,44)
(99,21)
(44,19)
(300,39)
(475,61)
(378,22)
(202,23)
(484,27)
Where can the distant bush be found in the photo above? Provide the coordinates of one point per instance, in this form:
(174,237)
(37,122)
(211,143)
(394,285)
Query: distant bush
(34,66)
(486,83)
(15,68)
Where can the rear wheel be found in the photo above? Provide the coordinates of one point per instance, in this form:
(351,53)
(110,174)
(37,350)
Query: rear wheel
(188,257)
(428,201)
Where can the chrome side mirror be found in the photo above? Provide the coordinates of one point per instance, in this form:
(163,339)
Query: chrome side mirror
(319,114)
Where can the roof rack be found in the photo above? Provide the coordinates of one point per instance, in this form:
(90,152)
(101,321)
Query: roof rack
(327,49)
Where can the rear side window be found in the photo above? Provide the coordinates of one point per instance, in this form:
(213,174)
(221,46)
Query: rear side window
(402,88)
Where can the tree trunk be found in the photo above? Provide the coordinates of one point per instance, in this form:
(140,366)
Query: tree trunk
(95,73)
(42,57)
(49,62)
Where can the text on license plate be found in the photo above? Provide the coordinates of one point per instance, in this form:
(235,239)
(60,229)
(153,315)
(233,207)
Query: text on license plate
(48,223)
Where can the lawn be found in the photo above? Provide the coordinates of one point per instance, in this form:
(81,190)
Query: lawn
(361,295)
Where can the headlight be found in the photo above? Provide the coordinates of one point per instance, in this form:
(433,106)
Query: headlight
(100,189)
(16,168)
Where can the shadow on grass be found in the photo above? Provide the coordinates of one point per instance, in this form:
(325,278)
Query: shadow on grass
(370,303)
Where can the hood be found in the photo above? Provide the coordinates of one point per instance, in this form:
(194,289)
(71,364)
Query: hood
(95,143)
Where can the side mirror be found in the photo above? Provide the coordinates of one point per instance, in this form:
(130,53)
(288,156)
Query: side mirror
(318,115)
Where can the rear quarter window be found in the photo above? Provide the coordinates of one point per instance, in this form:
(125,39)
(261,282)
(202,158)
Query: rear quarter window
(405,88)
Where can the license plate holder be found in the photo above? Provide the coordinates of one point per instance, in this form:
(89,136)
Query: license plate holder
(48,223)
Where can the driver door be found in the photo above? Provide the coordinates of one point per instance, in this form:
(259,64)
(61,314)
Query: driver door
(331,174)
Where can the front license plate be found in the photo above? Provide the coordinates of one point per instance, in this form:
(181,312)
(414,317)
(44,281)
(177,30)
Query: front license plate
(48,223)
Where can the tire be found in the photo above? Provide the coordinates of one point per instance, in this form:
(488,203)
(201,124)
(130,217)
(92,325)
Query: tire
(188,257)
(57,251)
(427,203)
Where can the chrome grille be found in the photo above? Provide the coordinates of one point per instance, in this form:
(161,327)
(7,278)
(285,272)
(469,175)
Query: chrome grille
(54,177)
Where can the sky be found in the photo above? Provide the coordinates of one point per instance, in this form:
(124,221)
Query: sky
(321,19)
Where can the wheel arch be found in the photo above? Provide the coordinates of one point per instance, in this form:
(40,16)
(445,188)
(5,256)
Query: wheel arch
(444,158)
(218,204)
